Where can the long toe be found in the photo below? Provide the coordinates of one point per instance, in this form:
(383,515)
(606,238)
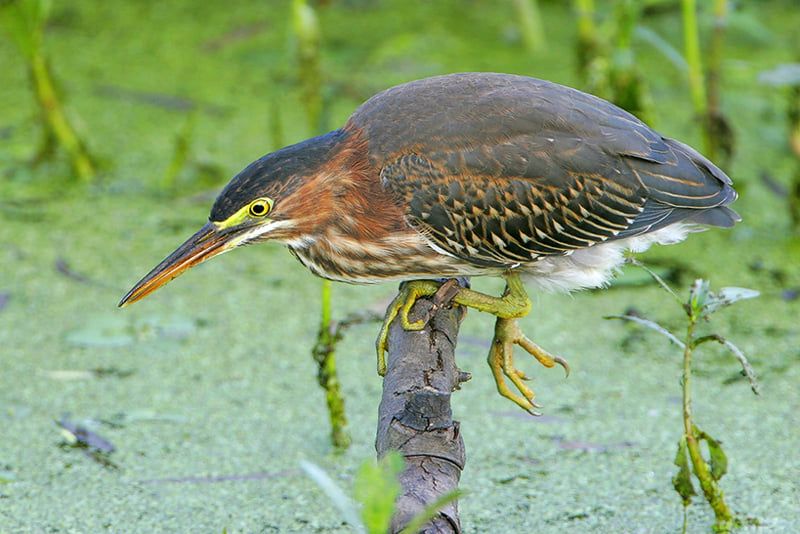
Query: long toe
(541,355)
(401,305)
(501,359)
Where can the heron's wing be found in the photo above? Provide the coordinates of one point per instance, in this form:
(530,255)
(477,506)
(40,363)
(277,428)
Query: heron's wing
(502,203)
(501,169)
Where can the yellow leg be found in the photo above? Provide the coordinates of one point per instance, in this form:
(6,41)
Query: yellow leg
(401,305)
(501,360)
(512,305)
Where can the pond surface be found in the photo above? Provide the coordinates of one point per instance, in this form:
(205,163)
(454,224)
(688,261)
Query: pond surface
(207,389)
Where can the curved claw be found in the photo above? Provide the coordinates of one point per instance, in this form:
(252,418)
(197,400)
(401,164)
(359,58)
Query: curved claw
(563,363)
(523,376)
(501,360)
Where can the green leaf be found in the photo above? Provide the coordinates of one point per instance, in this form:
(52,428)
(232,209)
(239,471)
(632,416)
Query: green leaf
(697,297)
(747,369)
(652,325)
(661,45)
(24,21)
(343,503)
(727,296)
(655,276)
(719,461)
(376,487)
(682,481)
(431,511)
(784,75)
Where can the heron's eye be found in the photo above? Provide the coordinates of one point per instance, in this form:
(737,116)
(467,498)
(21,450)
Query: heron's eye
(259,207)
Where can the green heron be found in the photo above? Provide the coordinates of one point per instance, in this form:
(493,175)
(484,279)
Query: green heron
(468,175)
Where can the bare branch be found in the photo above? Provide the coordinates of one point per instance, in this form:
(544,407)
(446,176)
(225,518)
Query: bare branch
(415,416)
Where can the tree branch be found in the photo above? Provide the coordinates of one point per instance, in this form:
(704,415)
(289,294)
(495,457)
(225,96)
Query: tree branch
(415,417)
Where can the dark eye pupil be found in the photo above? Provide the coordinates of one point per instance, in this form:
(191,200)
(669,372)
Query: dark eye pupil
(257,209)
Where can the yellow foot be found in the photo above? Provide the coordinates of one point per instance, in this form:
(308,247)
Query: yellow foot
(401,305)
(512,305)
(501,359)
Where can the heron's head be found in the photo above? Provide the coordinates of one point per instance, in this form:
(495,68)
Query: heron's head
(278,197)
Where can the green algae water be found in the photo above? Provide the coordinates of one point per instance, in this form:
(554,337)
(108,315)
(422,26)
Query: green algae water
(206,389)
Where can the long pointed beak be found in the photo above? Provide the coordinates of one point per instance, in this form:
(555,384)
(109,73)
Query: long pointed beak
(204,245)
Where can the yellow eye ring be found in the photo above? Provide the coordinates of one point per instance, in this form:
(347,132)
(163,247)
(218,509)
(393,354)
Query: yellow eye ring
(259,207)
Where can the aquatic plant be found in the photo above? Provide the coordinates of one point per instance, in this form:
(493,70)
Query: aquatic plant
(307,39)
(587,47)
(605,55)
(375,491)
(788,76)
(530,24)
(699,307)
(704,86)
(627,85)
(24,22)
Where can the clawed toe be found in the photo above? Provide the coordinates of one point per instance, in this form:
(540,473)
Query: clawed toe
(409,293)
(501,360)
(563,363)
(512,305)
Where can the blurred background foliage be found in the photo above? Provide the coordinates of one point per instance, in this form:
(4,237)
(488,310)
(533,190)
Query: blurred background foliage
(119,122)
(205,97)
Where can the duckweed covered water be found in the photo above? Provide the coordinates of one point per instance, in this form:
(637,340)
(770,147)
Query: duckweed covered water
(207,389)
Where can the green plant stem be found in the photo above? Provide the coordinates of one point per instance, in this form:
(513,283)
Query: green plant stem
(530,21)
(276,125)
(793,115)
(307,41)
(627,12)
(325,355)
(586,27)
(587,45)
(56,119)
(625,81)
(711,489)
(719,131)
(715,56)
(697,87)
(180,155)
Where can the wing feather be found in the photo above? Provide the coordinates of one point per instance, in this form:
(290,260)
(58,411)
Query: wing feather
(501,169)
